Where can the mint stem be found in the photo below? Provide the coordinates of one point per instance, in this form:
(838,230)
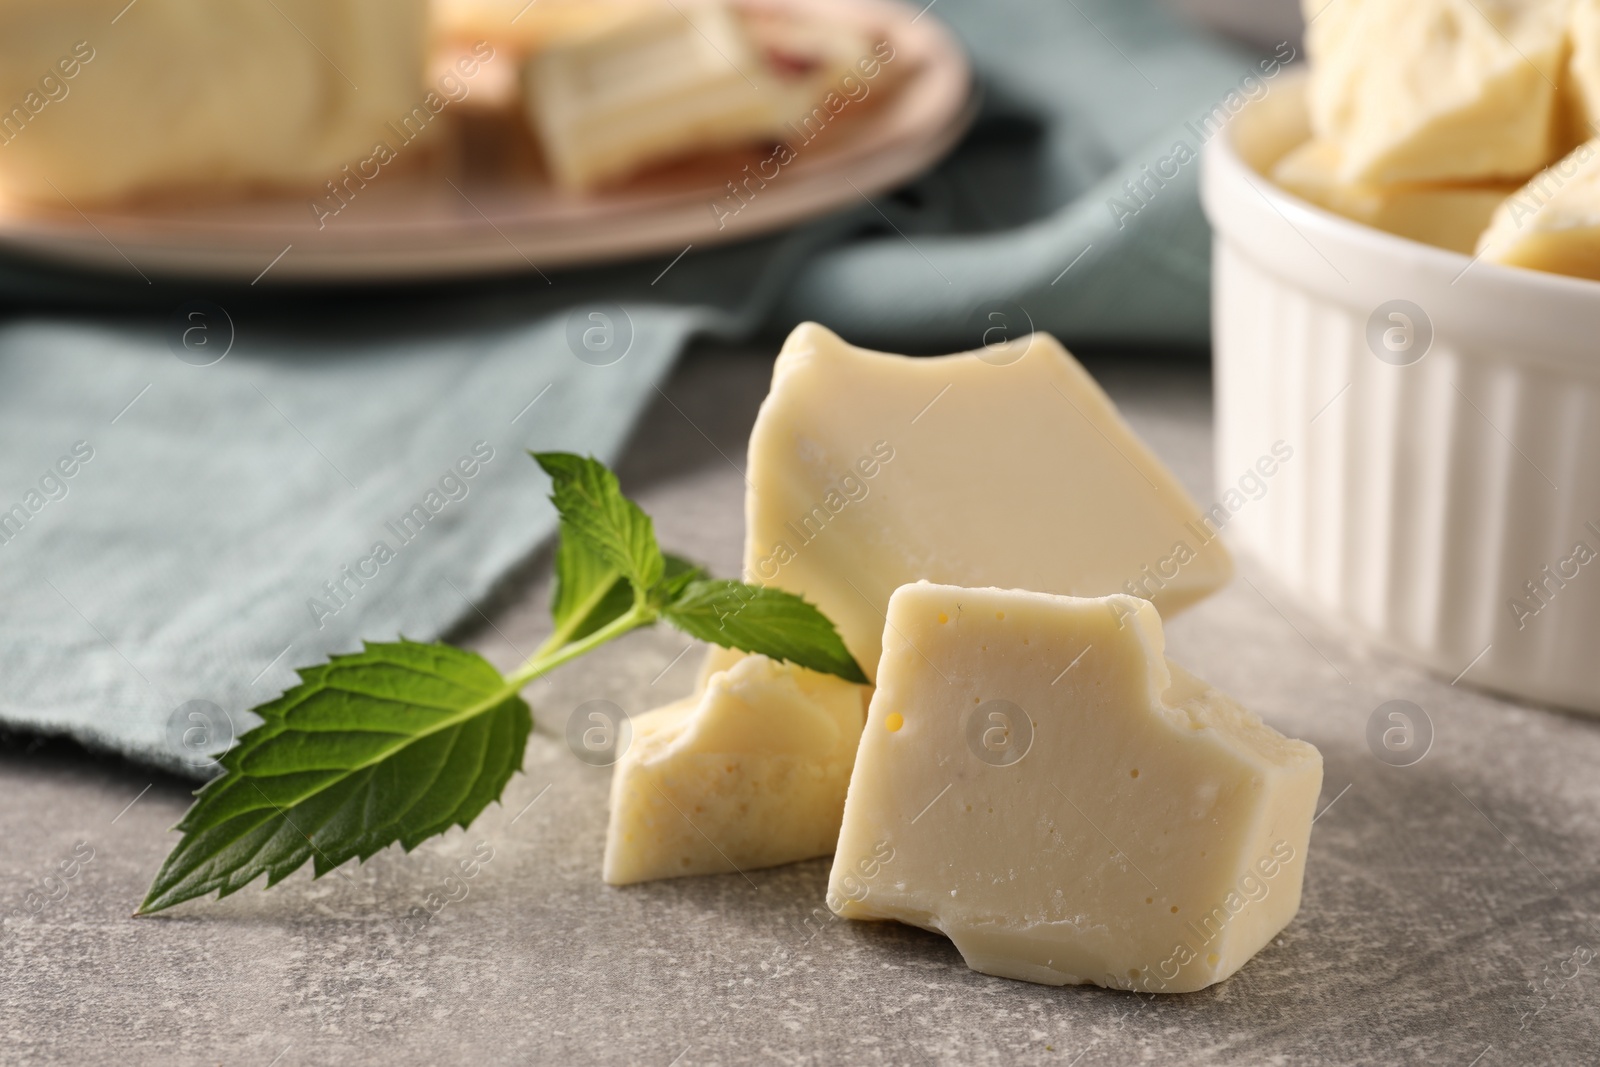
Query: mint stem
(543,662)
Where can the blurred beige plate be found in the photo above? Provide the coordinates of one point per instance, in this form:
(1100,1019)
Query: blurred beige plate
(478,204)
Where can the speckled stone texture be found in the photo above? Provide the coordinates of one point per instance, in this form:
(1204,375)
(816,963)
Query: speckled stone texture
(1444,901)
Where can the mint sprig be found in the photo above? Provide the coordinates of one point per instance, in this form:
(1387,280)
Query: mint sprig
(401,741)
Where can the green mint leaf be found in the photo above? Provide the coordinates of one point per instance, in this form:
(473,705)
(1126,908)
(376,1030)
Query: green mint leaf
(589,591)
(593,508)
(758,618)
(676,577)
(398,742)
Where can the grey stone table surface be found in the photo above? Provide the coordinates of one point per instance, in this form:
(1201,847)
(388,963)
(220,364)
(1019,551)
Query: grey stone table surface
(1447,905)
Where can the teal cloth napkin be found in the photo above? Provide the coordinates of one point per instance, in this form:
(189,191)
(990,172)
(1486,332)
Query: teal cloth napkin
(175,539)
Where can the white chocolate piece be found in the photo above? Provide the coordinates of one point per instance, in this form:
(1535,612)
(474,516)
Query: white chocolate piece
(1446,216)
(1552,223)
(1437,90)
(644,85)
(1581,90)
(1006,466)
(520,28)
(610,103)
(1040,785)
(191,95)
(749,772)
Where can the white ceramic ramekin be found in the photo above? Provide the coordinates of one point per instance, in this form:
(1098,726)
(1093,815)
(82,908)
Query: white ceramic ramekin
(1447,505)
